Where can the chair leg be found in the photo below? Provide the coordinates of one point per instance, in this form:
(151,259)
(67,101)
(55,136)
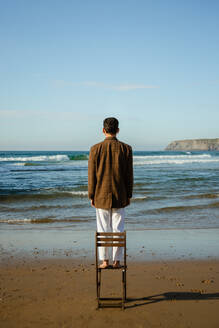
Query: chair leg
(97,281)
(125,286)
(124,289)
(98,285)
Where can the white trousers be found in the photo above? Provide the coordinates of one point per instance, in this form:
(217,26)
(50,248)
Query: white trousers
(110,220)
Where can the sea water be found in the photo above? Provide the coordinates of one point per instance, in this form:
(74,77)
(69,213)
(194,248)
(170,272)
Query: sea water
(172,190)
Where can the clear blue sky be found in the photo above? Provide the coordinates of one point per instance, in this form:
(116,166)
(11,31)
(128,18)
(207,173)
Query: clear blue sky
(66,65)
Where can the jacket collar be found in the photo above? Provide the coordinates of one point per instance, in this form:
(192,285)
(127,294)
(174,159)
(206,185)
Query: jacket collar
(110,138)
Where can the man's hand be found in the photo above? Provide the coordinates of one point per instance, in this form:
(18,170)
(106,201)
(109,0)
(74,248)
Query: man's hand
(92,203)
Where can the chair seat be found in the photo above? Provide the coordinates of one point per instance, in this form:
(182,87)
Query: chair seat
(110,267)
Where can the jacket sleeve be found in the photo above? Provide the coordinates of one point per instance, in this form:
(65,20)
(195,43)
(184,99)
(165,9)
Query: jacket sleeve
(129,177)
(91,174)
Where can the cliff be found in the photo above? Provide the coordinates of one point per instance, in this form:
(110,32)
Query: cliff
(194,144)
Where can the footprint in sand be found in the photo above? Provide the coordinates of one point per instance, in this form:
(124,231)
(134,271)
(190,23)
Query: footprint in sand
(201,291)
(179,284)
(207,281)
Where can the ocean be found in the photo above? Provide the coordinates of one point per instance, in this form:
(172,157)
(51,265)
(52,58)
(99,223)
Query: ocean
(47,190)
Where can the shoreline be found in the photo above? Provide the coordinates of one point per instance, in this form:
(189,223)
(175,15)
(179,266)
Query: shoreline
(37,292)
(142,245)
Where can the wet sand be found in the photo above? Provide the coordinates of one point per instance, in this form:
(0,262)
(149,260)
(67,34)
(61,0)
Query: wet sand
(142,245)
(39,292)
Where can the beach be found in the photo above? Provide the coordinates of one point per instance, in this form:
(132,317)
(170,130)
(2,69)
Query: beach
(48,280)
(37,292)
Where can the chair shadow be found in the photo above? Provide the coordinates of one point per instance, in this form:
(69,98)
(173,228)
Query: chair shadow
(170,296)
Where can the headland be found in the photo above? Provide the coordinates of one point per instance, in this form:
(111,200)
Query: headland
(194,144)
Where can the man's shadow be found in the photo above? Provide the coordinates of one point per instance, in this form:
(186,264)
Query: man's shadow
(170,296)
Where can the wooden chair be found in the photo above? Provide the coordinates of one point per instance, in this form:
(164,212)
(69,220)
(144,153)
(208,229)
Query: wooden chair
(111,239)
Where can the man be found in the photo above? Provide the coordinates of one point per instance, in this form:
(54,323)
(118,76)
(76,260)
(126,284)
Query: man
(110,183)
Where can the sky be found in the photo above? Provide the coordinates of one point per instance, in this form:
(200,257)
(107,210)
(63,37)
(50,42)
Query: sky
(66,65)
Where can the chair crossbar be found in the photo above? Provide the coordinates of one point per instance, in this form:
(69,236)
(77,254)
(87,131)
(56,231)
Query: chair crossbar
(110,267)
(110,233)
(110,298)
(111,305)
(110,239)
(104,244)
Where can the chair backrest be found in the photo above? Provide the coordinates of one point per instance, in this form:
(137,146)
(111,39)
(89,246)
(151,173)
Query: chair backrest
(111,239)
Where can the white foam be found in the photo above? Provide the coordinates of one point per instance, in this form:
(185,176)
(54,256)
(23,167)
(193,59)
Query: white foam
(139,197)
(35,158)
(174,159)
(16,221)
(175,162)
(173,156)
(79,193)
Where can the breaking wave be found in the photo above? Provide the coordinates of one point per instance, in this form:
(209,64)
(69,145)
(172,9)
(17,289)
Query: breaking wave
(171,209)
(43,220)
(44,158)
(202,196)
(175,159)
(35,158)
(42,196)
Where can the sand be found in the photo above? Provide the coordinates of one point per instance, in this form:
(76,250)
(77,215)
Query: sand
(37,292)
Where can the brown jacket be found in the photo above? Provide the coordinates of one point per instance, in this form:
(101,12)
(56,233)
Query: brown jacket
(110,174)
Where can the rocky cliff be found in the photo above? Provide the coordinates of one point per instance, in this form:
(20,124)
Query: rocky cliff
(194,144)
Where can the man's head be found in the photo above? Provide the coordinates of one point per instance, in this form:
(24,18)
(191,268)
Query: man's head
(111,126)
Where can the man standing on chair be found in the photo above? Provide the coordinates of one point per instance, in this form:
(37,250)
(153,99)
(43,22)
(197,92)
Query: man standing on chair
(110,183)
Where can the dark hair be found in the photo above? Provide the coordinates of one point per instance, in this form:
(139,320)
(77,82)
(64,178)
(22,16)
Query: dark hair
(111,125)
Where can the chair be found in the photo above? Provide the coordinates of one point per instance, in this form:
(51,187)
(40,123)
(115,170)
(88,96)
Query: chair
(111,239)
